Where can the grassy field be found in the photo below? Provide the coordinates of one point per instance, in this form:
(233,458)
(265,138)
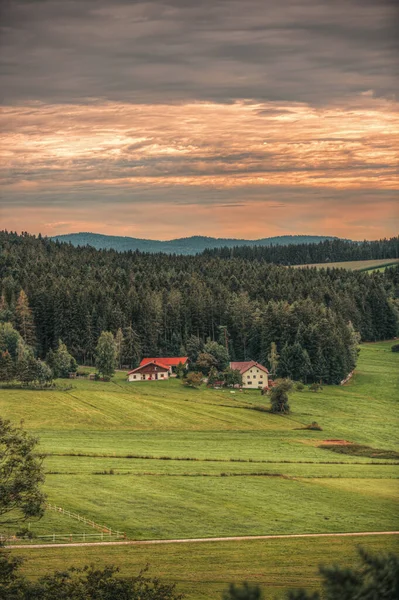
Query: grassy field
(203,571)
(158,460)
(357,265)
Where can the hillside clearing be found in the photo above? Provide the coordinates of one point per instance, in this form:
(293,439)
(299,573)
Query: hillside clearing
(355,265)
(160,461)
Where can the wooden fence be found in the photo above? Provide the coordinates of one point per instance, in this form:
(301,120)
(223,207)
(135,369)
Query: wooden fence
(105,534)
(66,538)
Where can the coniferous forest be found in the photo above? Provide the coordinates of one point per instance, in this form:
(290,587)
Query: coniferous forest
(172,305)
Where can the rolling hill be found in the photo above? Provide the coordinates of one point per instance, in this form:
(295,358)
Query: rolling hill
(189,245)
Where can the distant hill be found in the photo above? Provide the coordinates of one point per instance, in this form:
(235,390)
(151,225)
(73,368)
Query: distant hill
(189,245)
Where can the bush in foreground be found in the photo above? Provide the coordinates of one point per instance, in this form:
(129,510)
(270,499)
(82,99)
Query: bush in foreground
(87,583)
(375,578)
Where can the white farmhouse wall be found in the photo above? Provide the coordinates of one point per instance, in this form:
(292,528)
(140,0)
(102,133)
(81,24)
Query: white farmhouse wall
(146,376)
(255,378)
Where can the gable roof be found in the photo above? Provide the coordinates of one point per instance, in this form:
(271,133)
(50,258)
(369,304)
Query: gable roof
(243,366)
(169,361)
(151,362)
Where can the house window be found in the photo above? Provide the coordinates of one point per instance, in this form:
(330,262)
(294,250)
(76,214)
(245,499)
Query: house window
(254,376)
(249,376)
(161,374)
(249,382)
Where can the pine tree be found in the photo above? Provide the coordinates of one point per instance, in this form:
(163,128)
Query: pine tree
(119,340)
(131,347)
(273,359)
(194,346)
(24,319)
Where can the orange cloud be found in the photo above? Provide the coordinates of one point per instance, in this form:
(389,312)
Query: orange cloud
(186,162)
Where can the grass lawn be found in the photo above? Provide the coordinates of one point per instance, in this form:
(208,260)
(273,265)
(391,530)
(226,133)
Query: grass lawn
(203,571)
(158,460)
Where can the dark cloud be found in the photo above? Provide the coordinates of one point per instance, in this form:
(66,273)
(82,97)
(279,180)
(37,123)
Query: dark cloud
(154,51)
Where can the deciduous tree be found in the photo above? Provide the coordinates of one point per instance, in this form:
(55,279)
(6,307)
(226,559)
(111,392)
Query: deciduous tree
(279,396)
(21,473)
(106,354)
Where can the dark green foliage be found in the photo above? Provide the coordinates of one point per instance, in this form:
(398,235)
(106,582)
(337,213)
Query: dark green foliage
(213,376)
(61,361)
(232,377)
(219,353)
(10,340)
(326,251)
(205,362)
(246,591)
(395,348)
(279,396)
(375,578)
(21,473)
(7,367)
(106,355)
(24,319)
(87,583)
(240,302)
(131,348)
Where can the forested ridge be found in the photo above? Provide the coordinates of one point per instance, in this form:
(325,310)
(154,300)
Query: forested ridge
(326,251)
(188,245)
(163,303)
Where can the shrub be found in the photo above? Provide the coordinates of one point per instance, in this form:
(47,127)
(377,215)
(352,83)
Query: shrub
(314,426)
(299,386)
(193,380)
(315,387)
(279,396)
(395,348)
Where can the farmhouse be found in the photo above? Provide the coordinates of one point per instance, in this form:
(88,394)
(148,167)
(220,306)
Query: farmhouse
(172,362)
(150,371)
(162,368)
(253,374)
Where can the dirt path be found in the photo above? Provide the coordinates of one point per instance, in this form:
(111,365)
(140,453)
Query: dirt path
(201,540)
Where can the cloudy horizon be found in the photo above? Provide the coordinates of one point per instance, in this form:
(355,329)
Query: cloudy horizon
(168,118)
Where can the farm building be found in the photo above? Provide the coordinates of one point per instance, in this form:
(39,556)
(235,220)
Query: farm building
(150,371)
(172,362)
(161,368)
(253,374)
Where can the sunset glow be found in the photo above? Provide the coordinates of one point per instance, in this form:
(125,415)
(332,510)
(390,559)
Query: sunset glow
(243,167)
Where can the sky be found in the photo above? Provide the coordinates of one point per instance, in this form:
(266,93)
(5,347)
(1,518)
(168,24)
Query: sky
(169,118)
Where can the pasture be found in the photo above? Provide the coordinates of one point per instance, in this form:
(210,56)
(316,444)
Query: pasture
(377,264)
(160,461)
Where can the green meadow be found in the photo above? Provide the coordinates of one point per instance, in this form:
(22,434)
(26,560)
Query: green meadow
(160,461)
(202,571)
(377,264)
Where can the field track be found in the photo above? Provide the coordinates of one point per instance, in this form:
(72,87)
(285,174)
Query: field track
(202,540)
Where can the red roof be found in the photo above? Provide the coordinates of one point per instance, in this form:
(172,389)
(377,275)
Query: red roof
(166,361)
(150,362)
(245,365)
